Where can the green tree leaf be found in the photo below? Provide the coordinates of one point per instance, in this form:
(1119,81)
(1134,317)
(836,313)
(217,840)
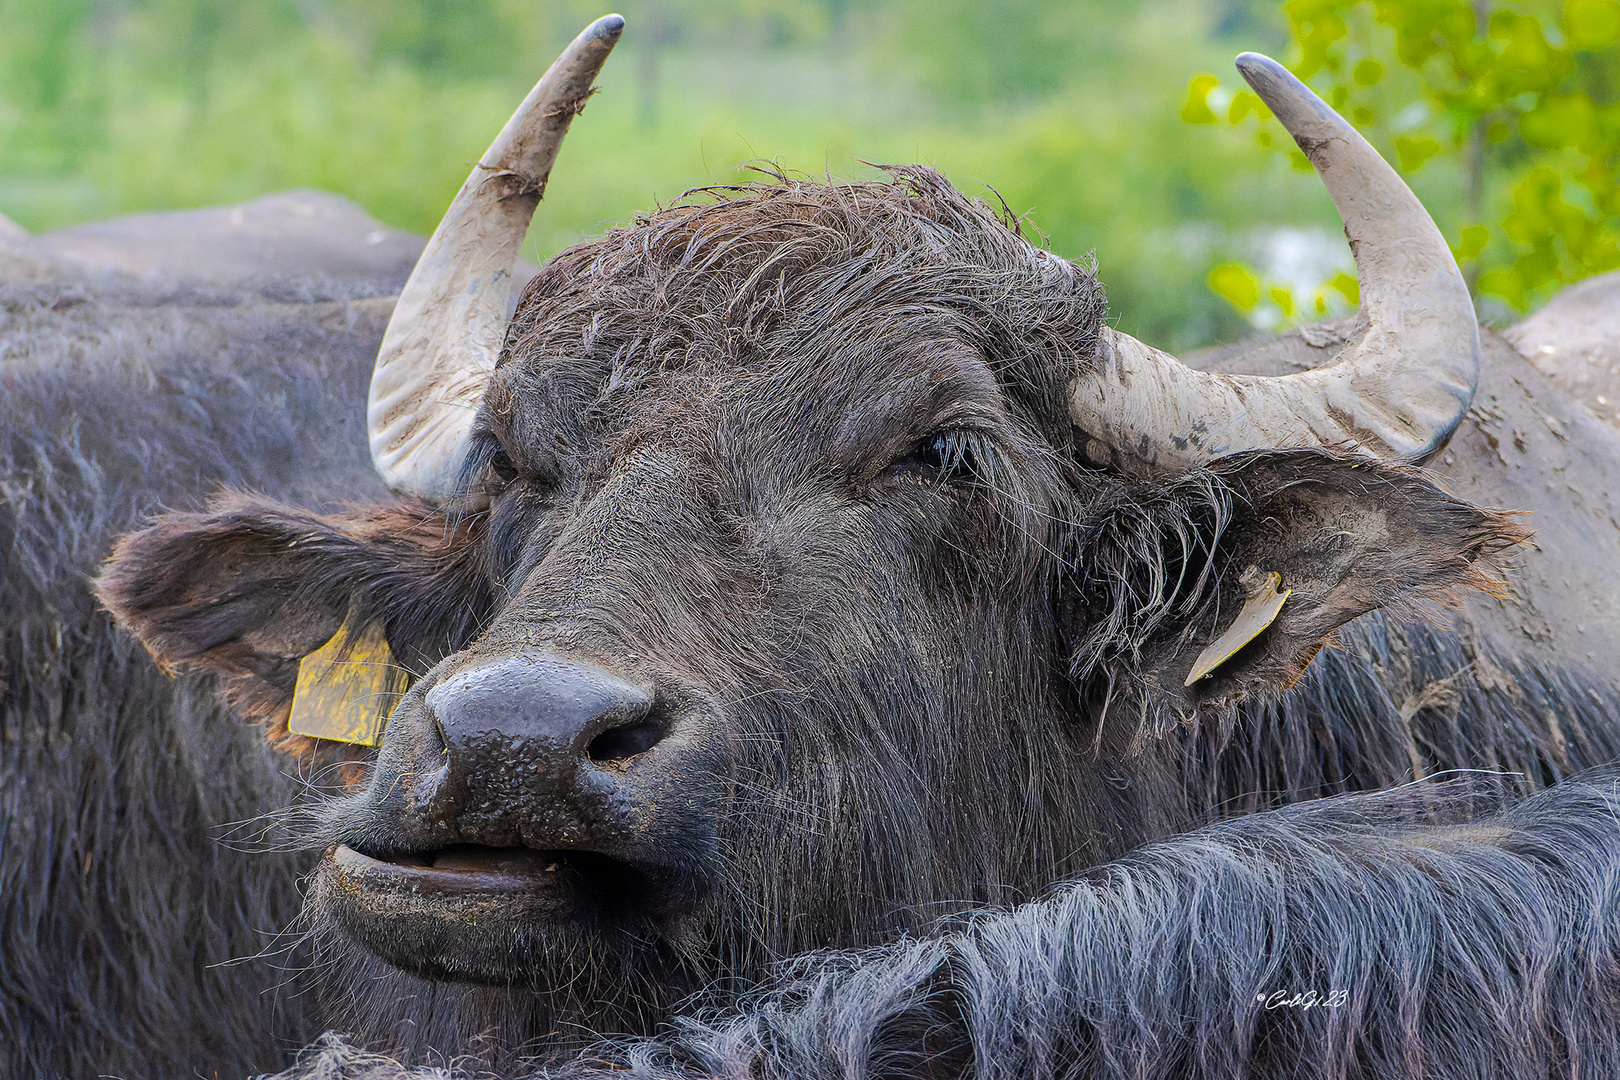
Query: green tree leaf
(1367,72)
(1472,242)
(1415,150)
(1592,24)
(1197,110)
(1237,285)
(1568,120)
(1244,103)
(1347,286)
(1283,299)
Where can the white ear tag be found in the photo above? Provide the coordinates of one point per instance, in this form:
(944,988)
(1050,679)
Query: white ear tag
(346,689)
(1259,612)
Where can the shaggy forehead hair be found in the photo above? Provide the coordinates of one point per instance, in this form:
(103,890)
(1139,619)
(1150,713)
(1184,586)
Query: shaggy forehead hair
(736,276)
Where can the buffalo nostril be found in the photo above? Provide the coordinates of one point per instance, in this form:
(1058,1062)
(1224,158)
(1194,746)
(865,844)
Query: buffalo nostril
(617,744)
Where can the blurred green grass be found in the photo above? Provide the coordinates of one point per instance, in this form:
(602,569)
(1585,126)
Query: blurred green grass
(1069,110)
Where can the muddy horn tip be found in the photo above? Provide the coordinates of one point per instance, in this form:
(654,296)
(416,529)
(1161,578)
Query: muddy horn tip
(609,27)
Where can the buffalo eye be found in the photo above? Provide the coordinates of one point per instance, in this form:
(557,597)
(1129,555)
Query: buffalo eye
(943,457)
(501,467)
(487,472)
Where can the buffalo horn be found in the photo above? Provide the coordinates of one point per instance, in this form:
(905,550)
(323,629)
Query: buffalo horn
(447,330)
(1397,392)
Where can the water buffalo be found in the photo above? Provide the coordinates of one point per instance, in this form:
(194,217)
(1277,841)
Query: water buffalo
(144,363)
(809,570)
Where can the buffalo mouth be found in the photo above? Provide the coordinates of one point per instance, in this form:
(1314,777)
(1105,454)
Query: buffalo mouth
(487,915)
(475,870)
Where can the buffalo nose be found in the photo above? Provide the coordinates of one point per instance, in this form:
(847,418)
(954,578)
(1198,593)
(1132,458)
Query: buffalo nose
(544,709)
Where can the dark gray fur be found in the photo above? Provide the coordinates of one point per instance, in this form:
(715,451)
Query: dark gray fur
(130,935)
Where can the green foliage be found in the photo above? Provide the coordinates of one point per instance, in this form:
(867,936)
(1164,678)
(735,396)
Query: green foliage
(970,53)
(1237,285)
(1073,109)
(1070,108)
(1513,102)
(1197,110)
(1268,303)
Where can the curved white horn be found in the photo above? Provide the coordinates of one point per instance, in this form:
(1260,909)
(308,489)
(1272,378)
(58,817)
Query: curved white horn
(1398,392)
(447,330)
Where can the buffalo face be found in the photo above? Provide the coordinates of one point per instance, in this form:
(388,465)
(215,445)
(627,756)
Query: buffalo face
(767,587)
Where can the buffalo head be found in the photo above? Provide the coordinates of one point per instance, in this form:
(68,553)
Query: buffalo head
(802,562)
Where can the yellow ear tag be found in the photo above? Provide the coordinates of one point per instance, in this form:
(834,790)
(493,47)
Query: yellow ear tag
(1259,612)
(346,689)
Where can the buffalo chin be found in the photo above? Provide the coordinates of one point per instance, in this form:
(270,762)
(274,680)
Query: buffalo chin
(494,916)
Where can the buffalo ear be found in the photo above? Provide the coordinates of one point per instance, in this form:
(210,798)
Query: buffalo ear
(249,587)
(1170,568)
